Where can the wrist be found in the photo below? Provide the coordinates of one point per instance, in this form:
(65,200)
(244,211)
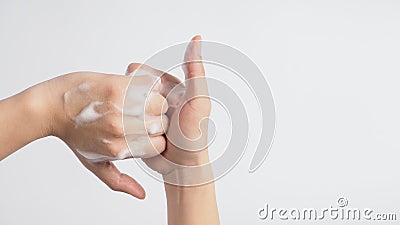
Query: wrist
(186,158)
(36,106)
(189,169)
(55,89)
(45,102)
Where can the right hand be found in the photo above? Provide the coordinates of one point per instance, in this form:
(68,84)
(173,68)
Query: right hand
(88,118)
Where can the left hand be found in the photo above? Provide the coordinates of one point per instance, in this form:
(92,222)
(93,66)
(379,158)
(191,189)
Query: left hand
(186,114)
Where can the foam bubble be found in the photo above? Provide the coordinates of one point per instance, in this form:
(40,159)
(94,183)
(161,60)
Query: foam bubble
(154,128)
(105,141)
(88,114)
(84,87)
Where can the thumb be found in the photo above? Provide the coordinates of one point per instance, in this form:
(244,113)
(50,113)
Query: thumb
(193,67)
(195,81)
(114,179)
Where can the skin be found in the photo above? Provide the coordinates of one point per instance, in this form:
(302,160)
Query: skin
(45,105)
(192,205)
(195,205)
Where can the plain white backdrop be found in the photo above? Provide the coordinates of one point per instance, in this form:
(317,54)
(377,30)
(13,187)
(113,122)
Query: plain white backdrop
(333,67)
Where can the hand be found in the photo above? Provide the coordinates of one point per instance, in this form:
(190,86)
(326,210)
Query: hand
(187,134)
(187,115)
(88,118)
(188,177)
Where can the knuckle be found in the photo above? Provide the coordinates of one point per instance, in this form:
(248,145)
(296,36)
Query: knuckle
(151,104)
(115,127)
(157,104)
(114,150)
(113,90)
(114,186)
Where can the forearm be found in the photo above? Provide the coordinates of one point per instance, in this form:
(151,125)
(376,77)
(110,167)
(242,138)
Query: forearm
(194,205)
(23,119)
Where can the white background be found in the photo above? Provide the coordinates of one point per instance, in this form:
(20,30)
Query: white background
(333,67)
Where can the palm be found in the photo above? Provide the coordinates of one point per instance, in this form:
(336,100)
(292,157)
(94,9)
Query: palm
(187,132)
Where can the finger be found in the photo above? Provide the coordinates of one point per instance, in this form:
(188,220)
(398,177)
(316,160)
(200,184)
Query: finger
(196,84)
(145,146)
(159,164)
(142,90)
(137,69)
(144,69)
(152,125)
(156,105)
(117,149)
(193,67)
(168,81)
(114,179)
(156,125)
(132,67)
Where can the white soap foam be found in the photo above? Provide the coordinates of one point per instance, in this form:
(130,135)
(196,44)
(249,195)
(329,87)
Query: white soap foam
(136,149)
(136,95)
(66,96)
(84,87)
(88,114)
(96,157)
(135,100)
(117,108)
(175,97)
(105,141)
(92,156)
(124,154)
(154,128)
